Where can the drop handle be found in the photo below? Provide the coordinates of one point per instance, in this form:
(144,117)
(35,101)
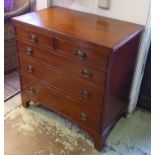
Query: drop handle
(33,38)
(28,51)
(86,73)
(85,93)
(84,117)
(29,69)
(81,54)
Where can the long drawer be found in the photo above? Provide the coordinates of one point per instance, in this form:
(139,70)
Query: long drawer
(36,91)
(76,50)
(76,87)
(53,58)
(82,52)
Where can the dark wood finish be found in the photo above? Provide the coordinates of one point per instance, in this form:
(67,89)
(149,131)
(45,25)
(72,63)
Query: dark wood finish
(63,104)
(79,65)
(35,38)
(102,31)
(119,81)
(65,63)
(63,81)
(68,48)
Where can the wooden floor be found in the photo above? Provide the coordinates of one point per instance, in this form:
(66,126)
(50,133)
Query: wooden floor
(11,85)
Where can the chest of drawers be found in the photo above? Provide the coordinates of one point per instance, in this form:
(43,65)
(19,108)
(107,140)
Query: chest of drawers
(77,64)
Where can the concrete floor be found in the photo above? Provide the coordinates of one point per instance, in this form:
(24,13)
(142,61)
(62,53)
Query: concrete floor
(37,131)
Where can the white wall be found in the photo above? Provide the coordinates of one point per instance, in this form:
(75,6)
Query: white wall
(41,4)
(129,10)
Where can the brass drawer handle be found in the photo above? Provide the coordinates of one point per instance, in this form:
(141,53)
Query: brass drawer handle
(29,69)
(86,73)
(80,54)
(32,90)
(85,93)
(33,38)
(84,117)
(28,51)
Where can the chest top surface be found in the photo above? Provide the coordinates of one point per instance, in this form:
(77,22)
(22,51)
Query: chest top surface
(99,30)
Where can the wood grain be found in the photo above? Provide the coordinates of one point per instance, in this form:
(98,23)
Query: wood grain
(63,82)
(87,27)
(62,104)
(79,65)
(55,59)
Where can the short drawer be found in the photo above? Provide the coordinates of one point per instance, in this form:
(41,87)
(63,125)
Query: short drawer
(34,90)
(81,70)
(35,37)
(78,51)
(76,87)
(83,52)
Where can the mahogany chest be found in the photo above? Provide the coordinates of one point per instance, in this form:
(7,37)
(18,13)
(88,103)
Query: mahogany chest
(77,64)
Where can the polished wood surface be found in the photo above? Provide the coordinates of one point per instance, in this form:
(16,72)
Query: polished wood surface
(79,65)
(83,90)
(119,80)
(34,90)
(55,59)
(86,27)
(35,38)
(66,47)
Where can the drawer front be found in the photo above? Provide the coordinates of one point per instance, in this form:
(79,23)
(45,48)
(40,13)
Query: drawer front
(36,91)
(81,70)
(35,37)
(82,52)
(76,50)
(71,85)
